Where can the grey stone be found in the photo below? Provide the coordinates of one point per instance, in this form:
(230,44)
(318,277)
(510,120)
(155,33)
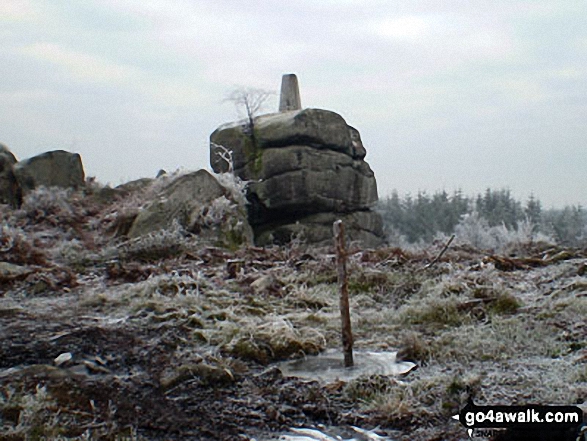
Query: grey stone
(312,127)
(359,151)
(190,201)
(300,180)
(10,189)
(321,129)
(10,272)
(365,227)
(305,170)
(51,169)
(289,98)
(5,151)
(231,138)
(135,185)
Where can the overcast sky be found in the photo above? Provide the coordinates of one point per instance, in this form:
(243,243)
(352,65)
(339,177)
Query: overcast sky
(456,94)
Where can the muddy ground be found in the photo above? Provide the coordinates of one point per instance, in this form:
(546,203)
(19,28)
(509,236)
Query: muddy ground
(171,338)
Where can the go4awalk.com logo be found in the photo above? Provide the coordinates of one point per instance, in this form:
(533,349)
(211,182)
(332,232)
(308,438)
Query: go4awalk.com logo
(559,419)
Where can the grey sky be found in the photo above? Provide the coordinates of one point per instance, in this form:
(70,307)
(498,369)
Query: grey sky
(453,94)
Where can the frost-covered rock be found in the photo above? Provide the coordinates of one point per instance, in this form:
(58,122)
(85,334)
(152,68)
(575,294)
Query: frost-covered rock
(199,204)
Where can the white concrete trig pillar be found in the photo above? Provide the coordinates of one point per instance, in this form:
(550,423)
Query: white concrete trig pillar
(290,93)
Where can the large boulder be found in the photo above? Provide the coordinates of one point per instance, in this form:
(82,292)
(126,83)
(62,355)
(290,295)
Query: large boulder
(57,168)
(4,151)
(300,180)
(317,128)
(306,169)
(10,189)
(199,204)
(360,226)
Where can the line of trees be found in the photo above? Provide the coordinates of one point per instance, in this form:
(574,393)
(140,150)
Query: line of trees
(422,217)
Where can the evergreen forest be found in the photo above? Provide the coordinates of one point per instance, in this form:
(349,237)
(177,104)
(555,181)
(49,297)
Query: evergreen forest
(424,218)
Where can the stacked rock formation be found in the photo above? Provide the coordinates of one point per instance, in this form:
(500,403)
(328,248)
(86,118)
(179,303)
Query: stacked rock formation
(306,169)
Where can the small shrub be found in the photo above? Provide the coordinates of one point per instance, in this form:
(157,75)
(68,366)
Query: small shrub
(74,254)
(37,415)
(505,304)
(19,248)
(434,311)
(367,389)
(274,340)
(50,205)
(151,247)
(413,348)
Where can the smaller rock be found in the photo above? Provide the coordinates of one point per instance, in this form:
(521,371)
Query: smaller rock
(266,284)
(6,152)
(10,189)
(10,272)
(199,204)
(234,267)
(57,168)
(136,185)
(63,358)
(95,368)
(207,374)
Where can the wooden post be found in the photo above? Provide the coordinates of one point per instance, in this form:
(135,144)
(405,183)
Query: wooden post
(347,333)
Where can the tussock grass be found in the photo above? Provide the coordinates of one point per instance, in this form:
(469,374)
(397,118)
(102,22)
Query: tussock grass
(506,337)
(272,339)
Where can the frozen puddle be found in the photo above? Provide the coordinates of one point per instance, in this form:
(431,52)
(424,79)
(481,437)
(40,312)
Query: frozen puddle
(358,434)
(329,366)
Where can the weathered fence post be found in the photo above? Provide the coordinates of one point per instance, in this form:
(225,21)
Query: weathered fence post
(347,333)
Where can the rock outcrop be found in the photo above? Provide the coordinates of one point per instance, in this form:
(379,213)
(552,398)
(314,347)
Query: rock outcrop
(56,168)
(306,169)
(199,204)
(10,189)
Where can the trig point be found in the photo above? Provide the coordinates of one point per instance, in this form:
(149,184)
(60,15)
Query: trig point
(290,93)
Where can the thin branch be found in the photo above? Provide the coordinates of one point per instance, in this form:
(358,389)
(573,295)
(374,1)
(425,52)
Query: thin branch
(441,253)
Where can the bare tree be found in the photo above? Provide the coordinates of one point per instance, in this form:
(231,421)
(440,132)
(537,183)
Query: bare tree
(249,101)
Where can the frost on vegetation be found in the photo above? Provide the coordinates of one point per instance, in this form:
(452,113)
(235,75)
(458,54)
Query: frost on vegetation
(165,285)
(273,338)
(312,298)
(501,339)
(218,212)
(51,205)
(440,390)
(475,231)
(74,254)
(36,412)
(226,219)
(151,247)
(235,185)
(434,311)
(555,381)
(229,180)
(435,396)
(18,247)
(37,416)
(436,305)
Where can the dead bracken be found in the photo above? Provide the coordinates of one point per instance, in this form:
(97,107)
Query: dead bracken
(172,337)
